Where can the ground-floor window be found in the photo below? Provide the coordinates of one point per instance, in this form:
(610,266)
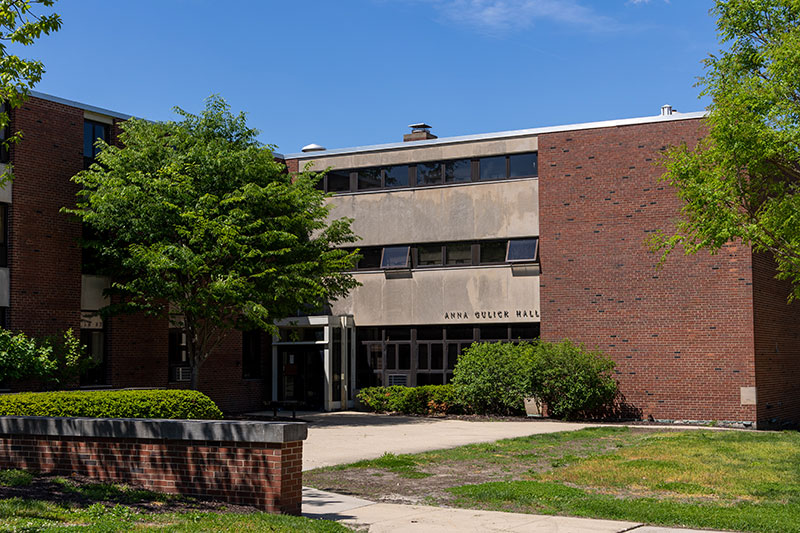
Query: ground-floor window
(95,342)
(424,355)
(178,355)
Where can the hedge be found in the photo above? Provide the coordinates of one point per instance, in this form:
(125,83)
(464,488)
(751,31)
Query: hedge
(423,400)
(180,404)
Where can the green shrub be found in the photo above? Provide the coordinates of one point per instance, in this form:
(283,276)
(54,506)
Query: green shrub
(183,404)
(571,380)
(53,360)
(494,378)
(423,400)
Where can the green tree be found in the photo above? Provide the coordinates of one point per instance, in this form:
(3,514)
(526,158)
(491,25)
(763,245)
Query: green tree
(199,217)
(743,180)
(19,25)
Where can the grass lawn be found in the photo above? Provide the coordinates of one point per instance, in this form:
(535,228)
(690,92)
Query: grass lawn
(30,503)
(745,481)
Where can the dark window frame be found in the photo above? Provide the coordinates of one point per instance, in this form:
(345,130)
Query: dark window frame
(533,259)
(413,174)
(88,159)
(252,354)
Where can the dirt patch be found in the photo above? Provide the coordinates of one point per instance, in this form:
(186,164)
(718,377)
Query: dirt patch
(441,472)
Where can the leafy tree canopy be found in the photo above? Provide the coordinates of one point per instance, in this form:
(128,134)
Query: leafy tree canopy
(743,180)
(196,217)
(20,25)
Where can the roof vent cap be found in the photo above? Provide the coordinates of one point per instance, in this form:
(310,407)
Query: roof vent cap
(419,127)
(313,148)
(666,109)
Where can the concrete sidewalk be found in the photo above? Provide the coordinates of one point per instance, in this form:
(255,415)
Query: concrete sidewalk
(393,518)
(348,436)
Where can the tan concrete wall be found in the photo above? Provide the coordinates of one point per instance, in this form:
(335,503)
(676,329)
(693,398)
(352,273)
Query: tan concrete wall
(431,296)
(488,210)
(399,156)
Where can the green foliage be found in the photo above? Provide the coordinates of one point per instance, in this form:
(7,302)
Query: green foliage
(572,380)
(15,478)
(179,404)
(743,180)
(494,377)
(199,217)
(423,400)
(57,360)
(20,26)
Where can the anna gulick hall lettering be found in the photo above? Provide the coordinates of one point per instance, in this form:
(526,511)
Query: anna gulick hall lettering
(490,315)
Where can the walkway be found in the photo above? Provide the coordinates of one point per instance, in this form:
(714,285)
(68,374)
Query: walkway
(348,436)
(393,518)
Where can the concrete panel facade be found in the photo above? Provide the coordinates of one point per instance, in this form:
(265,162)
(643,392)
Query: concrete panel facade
(443,296)
(491,210)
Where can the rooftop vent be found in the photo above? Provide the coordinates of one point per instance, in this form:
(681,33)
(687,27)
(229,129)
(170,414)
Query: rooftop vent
(666,109)
(419,132)
(313,148)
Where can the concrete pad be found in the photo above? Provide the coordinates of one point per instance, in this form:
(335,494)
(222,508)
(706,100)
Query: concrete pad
(327,505)
(380,518)
(347,436)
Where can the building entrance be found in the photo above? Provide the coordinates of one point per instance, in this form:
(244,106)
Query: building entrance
(312,361)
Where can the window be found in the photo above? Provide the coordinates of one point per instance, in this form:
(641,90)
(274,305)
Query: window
(178,355)
(493,168)
(493,252)
(338,181)
(251,354)
(523,165)
(94,340)
(369,178)
(429,173)
(522,250)
(91,132)
(511,166)
(429,255)
(451,171)
(395,257)
(3,235)
(5,133)
(396,176)
(459,254)
(370,258)
(458,171)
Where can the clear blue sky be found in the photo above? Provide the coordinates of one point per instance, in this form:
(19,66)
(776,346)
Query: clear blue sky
(353,72)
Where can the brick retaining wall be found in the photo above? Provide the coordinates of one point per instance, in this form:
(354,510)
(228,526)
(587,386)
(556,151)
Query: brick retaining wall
(246,463)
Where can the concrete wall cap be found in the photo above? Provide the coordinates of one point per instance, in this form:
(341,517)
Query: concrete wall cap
(148,428)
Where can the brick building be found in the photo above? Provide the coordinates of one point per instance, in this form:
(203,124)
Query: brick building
(46,286)
(502,236)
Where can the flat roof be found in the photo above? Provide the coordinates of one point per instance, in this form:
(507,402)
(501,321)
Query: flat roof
(99,110)
(498,135)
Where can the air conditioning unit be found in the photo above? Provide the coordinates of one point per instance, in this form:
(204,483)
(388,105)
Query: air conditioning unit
(183,373)
(398,379)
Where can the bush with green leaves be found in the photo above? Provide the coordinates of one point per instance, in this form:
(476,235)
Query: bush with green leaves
(494,378)
(573,381)
(179,404)
(56,360)
(423,400)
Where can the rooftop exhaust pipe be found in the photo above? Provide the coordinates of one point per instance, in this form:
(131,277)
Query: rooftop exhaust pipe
(419,132)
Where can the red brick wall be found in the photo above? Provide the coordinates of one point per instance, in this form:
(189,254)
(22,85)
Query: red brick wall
(777,346)
(265,475)
(221,377)
(44,256)
(682,337)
